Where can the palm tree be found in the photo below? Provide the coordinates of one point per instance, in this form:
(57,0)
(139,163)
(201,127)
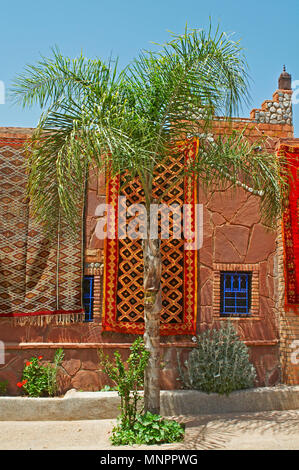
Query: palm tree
(128,122)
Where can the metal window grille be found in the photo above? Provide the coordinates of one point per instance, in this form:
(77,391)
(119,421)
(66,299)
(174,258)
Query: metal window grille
(235,290)
(88,297)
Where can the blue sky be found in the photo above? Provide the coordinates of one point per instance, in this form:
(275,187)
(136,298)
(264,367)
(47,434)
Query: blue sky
(268,30)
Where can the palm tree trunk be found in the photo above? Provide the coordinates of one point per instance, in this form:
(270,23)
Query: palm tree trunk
(152,309)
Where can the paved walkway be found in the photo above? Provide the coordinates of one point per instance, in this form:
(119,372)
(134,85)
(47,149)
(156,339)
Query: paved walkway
(271,430)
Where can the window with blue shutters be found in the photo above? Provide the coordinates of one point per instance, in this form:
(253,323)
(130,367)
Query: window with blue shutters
(88,297)
(235,291)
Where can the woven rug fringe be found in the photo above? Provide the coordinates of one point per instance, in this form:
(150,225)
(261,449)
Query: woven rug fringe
(42,320)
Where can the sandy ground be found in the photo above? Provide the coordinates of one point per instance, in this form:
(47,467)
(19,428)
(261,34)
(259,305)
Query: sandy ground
(271,430)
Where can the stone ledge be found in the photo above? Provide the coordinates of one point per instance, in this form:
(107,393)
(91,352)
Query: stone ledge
(192,402)
(73,406)
(105,405)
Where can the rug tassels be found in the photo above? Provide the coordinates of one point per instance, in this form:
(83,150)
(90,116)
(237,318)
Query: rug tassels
(43,320)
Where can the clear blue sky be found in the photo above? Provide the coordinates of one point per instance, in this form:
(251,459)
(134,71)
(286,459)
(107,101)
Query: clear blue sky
(268,30)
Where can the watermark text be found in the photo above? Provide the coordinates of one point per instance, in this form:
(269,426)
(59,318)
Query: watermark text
(162,221)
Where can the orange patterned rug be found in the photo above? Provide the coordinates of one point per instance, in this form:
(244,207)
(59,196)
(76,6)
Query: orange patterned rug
(123,309)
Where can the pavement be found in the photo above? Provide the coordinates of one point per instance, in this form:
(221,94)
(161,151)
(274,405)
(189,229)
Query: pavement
(270,430)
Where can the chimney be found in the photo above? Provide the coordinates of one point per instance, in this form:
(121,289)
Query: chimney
(285,80)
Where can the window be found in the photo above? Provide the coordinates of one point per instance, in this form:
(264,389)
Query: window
(235,293)
(88,284)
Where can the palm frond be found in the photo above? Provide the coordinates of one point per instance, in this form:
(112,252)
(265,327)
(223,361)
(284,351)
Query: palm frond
(128,122)
(56,77)
(234,159)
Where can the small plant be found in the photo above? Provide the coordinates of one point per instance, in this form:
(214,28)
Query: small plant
(40,380)
(52,370)
(3,387)
(133,426)
(148,429)
(128,378)
(219,363)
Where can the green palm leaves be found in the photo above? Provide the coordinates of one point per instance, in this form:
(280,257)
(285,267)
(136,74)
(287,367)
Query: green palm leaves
(128,120)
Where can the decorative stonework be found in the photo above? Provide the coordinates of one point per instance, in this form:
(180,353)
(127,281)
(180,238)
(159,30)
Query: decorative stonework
(275,111)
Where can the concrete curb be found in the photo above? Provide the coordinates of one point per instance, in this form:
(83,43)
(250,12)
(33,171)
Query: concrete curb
(105,405)
(192,402)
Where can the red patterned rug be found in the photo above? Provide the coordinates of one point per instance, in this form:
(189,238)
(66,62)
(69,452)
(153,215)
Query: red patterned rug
(291,225)
(123,309)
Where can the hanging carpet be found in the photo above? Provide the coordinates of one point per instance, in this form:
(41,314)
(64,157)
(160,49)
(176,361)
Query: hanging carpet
(39,281)
(123,292)
(291,225)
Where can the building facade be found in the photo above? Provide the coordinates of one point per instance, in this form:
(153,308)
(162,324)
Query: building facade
(240,273)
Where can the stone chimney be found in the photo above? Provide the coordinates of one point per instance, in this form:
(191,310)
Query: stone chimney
(279,109)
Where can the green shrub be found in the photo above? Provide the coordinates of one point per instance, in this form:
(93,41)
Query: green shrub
(133,426)
(40,380)
(219,363)
(3,387)
(148,429)
(128,377)
(52,372)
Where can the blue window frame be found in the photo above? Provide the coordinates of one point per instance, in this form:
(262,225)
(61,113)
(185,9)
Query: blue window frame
(235,290)
(88,298)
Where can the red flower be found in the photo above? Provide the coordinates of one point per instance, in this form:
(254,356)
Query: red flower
(20,384)
(40,357)
(28,363)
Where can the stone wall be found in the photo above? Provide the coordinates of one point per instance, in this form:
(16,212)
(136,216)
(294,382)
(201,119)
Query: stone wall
(80,368)
(235,238)
(275,111)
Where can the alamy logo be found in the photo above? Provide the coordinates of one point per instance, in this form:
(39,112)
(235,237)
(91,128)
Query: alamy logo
(134,222)
(2,353)
(2,92)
